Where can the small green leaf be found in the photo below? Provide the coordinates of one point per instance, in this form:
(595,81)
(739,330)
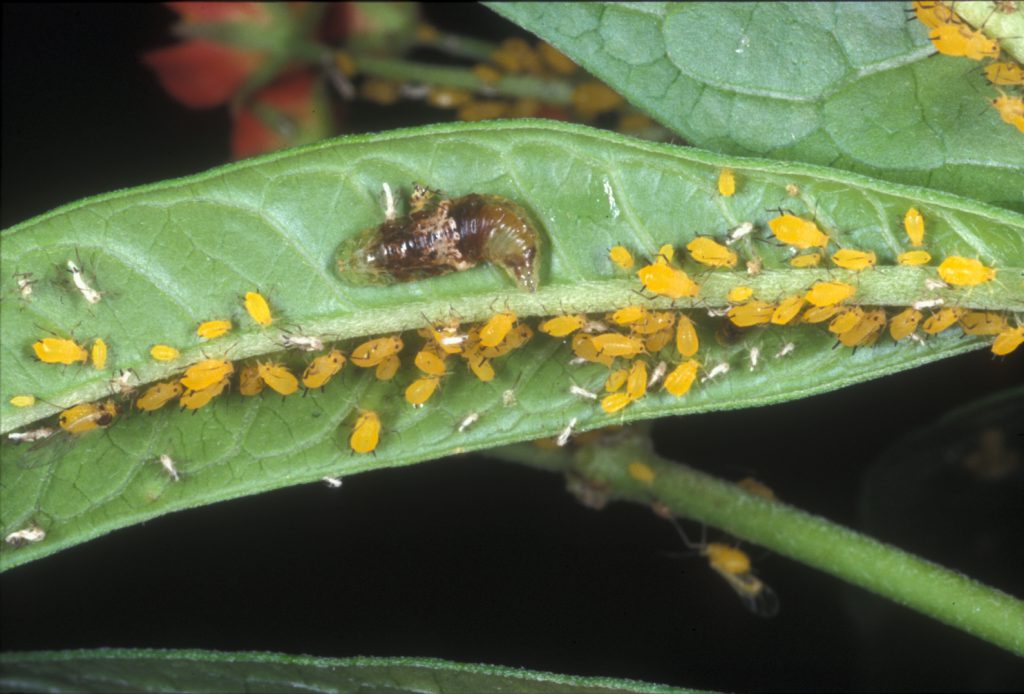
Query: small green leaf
(122,670)
(849,85)
(170,255)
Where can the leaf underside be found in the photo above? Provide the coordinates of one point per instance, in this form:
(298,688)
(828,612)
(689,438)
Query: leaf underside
(170,255)
(116,670)
(848,85)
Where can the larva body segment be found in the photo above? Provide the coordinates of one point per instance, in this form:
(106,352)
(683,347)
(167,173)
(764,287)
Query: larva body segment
(452,234)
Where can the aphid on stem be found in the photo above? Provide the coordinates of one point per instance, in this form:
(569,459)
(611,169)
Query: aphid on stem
(444,235)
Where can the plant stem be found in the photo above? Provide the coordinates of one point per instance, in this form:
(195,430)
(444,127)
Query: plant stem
(550,91)
(928,588)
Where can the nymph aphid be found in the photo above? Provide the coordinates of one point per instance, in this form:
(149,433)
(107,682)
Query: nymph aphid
(442,235)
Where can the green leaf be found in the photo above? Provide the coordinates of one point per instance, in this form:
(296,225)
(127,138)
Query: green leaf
(172,254)
(122,670)
(849,85)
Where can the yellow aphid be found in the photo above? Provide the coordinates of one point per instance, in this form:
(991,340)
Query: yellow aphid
(913,258)
(204,374)
(657,341)
(733,565)
(194,399)
(429,363)
(57,350)
(641,472)
(667,281)
(846,320)
(726,183)
(584,348)
(806,260)
(800,233)
(739,294)
(629,314)
(164,353)
(560,326)
(866,331)
(1005,74)
(159,395)
(86,417)
(366,433)
(983,323)
(653,322)
(519,336)
(23,400)
(960,41)
(375,351)
(942,320)
(751,313)
(481,368)
(904,323)
(496,328)
(849,259)
(1011,110)
(666,253)
(210,329)
(99,353)
(278,377)
(387,369)
(687,341)
(616,379)
(933,14)
(556,60)
(681,378)
(258,308)
(709,252)
(752,486)
(965,272)
(819,314)
(636,382)
(829,293)
(420,390)
(787,310)
(1006,342)
(621,257)
(322,369)
(249,381)
(913,222)
(615,402)
(617,345)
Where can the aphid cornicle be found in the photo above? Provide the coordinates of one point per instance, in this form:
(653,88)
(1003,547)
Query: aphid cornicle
(443,236)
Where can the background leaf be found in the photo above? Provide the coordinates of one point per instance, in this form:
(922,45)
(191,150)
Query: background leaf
(849,85)
(173,254)
(118,670)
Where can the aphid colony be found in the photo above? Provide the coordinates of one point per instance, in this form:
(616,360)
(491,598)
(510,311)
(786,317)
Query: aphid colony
(953,36)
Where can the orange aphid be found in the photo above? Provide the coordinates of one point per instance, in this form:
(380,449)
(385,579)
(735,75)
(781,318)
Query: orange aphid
(709,252)
(983,323)
(204,374)
(560,326)
(654,322)
(850,259)
(636,382)
(373,352)
(88,416)
(738,294)
(1005,74)
(797,232)
(616,379)
(1007,341)
(621,257)
(751,313)
(628,314)
(904,323)
(249,381)
(819,314)
(366,433)
(681,378)
(164,352)
(258,308)
(806,260)
(866,331)
(687,341)
(617,345)
(194,399)
(655,342)
(829,293)
(387,368)
(481,367)
(584,348)
(99,354)
(420,390)
(965,272)
(429,363)
(1011,110)
(787,310)
(726,183)
(615,402)
(942,320)
(211,329)
(159,395)
(665,280)
(960,41)
(913,222)
(846,320)
(913,258)
(57,350)
(934,14)
(278,377)
(322,369)
(496,328)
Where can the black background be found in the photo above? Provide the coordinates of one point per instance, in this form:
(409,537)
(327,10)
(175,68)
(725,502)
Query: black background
(468,559)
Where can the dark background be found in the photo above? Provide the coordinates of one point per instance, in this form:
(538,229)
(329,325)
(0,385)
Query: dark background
(468,559)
